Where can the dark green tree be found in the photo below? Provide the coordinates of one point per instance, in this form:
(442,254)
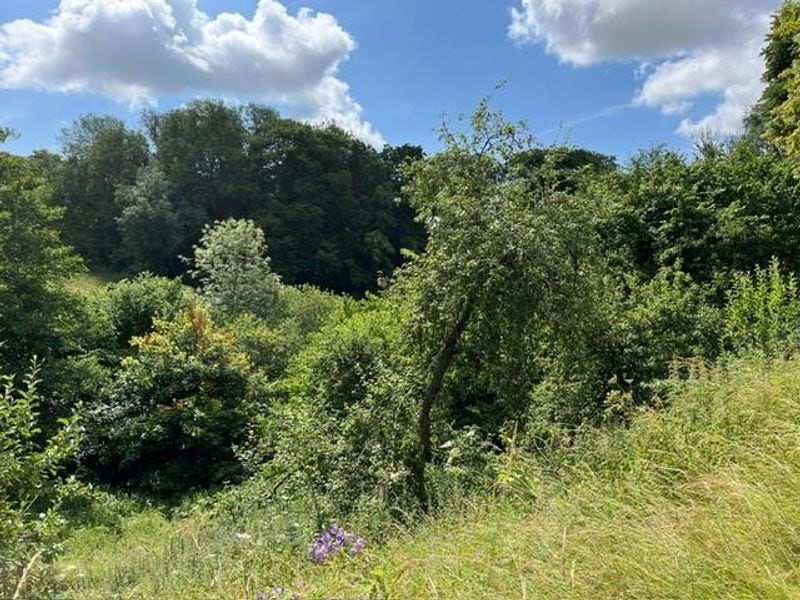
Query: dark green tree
(100,154)
(329,204)
(201,150)
(35,263)
(149,224)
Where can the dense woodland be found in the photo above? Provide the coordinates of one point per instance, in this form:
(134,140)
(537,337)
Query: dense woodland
(303,325)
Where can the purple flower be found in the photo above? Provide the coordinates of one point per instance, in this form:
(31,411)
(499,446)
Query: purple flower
(277,592)
(357,546)
(332,541)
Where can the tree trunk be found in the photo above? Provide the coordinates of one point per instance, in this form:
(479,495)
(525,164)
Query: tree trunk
(438,369)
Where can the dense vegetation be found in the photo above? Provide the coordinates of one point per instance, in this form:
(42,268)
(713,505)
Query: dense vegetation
(540,371)
(326,201)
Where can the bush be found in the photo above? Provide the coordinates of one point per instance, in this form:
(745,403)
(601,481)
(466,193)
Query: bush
(170,417)
(30,486)
(763,311)
(270,345)
(343,430)
(638,331)
(133,304)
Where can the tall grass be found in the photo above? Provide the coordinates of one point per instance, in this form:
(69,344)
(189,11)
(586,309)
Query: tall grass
(699,500)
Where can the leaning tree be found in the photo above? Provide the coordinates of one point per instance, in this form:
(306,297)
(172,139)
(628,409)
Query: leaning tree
(510,256)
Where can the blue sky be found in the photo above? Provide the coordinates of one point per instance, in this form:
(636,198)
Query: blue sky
(611,75)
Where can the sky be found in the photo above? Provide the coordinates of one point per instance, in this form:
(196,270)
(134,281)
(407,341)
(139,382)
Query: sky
(615,76)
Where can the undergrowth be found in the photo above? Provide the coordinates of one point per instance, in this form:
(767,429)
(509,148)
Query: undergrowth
(696,500)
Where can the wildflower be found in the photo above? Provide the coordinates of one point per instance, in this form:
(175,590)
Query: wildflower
(357,546)
(332,541)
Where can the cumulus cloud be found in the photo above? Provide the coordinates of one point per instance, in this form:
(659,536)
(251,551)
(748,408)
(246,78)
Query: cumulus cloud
(685,48)
(137,50)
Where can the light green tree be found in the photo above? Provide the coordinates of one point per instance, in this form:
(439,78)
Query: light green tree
(232,266)
(776,116)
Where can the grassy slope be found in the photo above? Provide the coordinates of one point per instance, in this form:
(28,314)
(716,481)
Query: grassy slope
(90,281)
(697,501)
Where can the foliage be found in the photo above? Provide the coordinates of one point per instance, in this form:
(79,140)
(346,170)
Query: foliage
(342,434)
(712,217)
(562,167)
(327,201)
(201,149)
(561,333)
(775,117)
(100,153)
(170,417)
(505,260)
(30,484)
(132,305)
(148,212)
(763,311)
(639,330)
(35,307)
(271,345)
(696,497)
(700,496)
(232,266)
(329,204)
(666,318)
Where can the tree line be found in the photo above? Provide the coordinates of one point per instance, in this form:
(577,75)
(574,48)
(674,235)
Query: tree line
(329,203)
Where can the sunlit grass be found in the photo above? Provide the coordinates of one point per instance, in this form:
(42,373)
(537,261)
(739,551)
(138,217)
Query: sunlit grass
(93,280)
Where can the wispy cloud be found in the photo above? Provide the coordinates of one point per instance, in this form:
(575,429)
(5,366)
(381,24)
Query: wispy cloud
(603,113)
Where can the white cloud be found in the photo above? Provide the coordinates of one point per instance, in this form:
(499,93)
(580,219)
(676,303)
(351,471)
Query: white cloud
(685,48)
(137,50)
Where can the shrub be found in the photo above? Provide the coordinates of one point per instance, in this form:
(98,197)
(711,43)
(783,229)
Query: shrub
(30,486)
(133,304)
(342,431)
(638,330)
(763,311)
(169,419)
(270,345)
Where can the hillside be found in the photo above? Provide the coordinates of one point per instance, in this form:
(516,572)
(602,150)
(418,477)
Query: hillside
(251,352)
(698,500)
